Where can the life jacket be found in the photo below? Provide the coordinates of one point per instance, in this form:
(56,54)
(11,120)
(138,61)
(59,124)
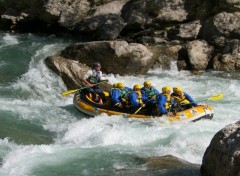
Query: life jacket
(139,99)
(168,104)
(95,77)
(180,98)
(149,92)
(123,92)
(111,91)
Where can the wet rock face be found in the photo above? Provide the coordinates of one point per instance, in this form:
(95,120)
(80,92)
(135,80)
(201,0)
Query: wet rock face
(222,157)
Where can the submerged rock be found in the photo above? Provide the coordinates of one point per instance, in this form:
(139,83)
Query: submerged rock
(163,165)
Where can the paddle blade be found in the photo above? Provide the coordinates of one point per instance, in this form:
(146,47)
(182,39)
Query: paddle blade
(69,92)
(216,97)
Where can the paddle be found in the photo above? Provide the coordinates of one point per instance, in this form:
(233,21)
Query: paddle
(68,92)
(212,98)
(142,106)
(216,97)
(73,91)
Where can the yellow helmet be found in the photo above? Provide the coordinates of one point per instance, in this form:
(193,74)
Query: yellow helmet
(137,86)
(177,89)
(120,85)
(147,83)
(166,89)
(115,85)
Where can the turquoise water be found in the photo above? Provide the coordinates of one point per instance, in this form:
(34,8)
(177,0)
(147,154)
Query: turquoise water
(42,134)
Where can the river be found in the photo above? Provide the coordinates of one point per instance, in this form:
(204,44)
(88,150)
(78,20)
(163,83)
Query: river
(42,134)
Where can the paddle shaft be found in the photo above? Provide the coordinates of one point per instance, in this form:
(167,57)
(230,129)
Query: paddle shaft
(73,91)
(142,106)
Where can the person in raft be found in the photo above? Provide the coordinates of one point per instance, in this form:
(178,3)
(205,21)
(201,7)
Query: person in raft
(149,94)
(182,100)
(124,90)
(92,78)
(114,95)
(134,98)
(164,101)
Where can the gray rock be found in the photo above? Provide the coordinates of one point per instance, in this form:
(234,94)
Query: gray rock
(199,54)
(118,57)
(222,157)
(218,29)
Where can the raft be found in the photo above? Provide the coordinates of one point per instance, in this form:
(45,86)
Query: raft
(83,102)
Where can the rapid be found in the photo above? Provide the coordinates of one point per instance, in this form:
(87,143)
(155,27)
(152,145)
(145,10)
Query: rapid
(41,133)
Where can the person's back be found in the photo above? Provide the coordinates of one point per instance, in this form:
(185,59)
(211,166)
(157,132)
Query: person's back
(115,95)
(135,97)
(164,101)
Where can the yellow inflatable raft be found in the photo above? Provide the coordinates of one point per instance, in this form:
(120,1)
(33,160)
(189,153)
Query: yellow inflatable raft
(84,104)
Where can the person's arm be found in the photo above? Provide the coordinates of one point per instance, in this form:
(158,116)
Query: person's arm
(84,79)
(156,92)
(144,97)
(161,100)
(190,99)
(115,94)
(101,77)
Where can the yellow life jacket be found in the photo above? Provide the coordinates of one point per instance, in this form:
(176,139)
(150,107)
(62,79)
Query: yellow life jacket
(180,98)
(139,99)
(168,103)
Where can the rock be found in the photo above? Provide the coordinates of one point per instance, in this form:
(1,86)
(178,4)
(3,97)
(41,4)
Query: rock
(199,54)
(230,57)
(118,57)
(224,62)
(162,165)
(186,31)
(71,72)
(102,27)
(217,29)
(113,7)
(222,157)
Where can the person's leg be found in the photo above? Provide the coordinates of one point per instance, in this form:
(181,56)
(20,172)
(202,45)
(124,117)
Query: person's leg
(92,91)
(101,94)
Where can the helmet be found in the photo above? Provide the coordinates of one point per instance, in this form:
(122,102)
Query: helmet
(137,86)
(96,64)
(115,85)
(166,89)
(120,85)
(147,83)
(177,89)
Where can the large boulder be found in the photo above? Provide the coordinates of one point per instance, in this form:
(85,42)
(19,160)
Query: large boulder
(71,72)
(218,29)
(118,57)
(45,15)
(195,55)
(101,27)
(230,57)
(222,157)
(159,13)
(186,31)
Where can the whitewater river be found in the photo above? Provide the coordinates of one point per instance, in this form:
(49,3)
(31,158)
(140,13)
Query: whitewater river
(42,134)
